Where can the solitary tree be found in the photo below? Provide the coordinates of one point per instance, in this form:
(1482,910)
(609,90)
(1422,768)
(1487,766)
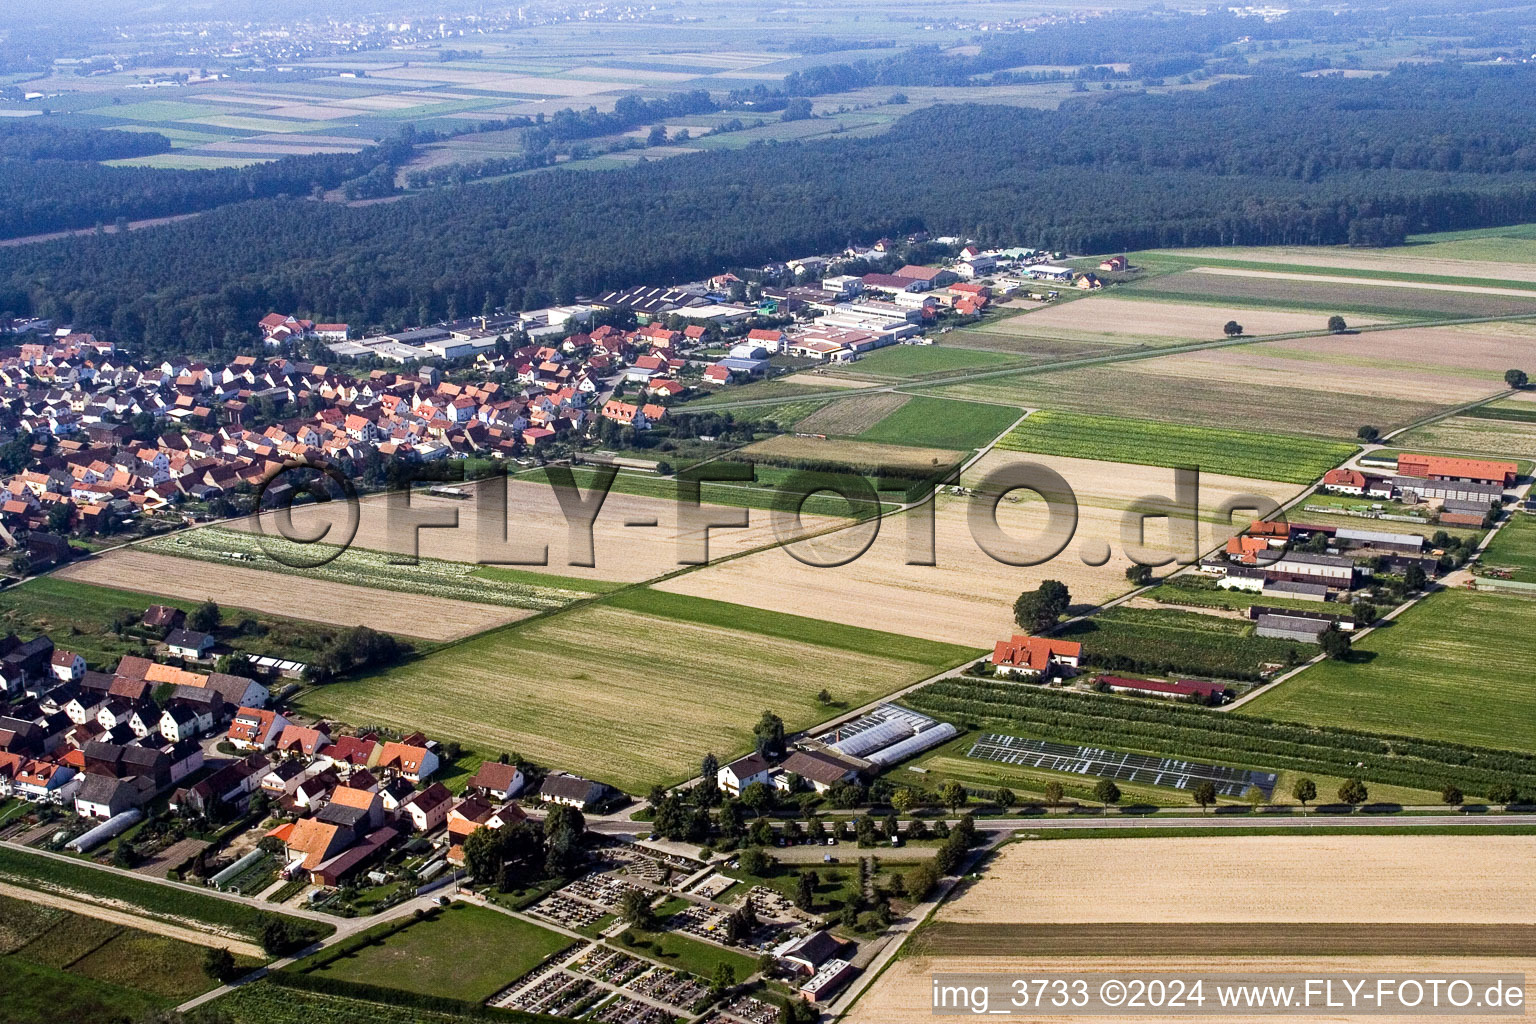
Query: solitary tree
(635,907)
(1205,794)
(1038,610)
(824,697)
(757,797)
(1304,790)
(1414,578)
(1335,642)
(1106,792)
(1232,329)
(219,964)
(1516,378)
(1451,796)
(1368,434)
(205,617)
(1004,798)
(1336,324)
(903,800)
(1139,574)
(1256,798)
(1353,792)
(1053,793)
(954,795)
(1503,793)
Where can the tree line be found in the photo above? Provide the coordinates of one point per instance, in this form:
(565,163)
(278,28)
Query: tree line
(1294,161)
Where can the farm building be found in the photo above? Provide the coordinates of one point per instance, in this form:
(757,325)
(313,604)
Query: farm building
(1421,489)
(1344,481)
(1305,567)
(1291,627)
(1344,618)
(887,734)
(1351,539)
(1240,577)
(1157,688)
(822,771)
(1035,656)
(1296,591)
(1448,469)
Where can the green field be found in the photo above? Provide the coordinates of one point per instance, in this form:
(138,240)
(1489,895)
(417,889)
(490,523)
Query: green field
(1228,452)
(635,688)
(759,494)
(942,423)
(1484,434)
(463,952)
(1454,667)
(682,953)
(1383,299)
(907,361)
(1514,547)
(1309,408)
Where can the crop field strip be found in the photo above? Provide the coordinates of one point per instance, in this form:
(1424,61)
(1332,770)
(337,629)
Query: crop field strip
(1163,728)
(1075,759)
(1225,939)
(1229,452)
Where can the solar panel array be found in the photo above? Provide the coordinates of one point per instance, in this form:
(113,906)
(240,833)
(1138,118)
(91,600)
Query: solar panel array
(1114,764)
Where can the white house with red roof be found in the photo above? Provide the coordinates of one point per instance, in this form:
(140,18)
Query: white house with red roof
(1035,656)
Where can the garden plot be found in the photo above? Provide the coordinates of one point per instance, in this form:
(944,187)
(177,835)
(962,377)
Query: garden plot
(967,596)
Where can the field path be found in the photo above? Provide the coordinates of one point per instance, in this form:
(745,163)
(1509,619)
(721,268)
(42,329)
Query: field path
(127,920)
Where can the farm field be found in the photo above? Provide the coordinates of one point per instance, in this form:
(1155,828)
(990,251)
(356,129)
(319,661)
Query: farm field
(904,993)
(1126,319)
(57,965)
(432,577)
(1474,435)
(908,361)
(1229,452)
(340,604)
(653,691)
(1514,547)
(967,596)
(1506,254)
(858,454)
(463,952)
(263,1002)
(852,415)
(535,521)
(758,494)
(1331,293)
(1428,364)
(1131,390)
(1181,643)
(943,423)
(1450,668)
(1354,879)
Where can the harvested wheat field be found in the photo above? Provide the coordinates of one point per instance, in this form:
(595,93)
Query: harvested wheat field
(823,381)
(967,597)
(415,615)
(1353,879)
(629,698)
(1099,316)
(1374,282)
(1444,364)
(1396,260)
(622,552)
(904,993)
